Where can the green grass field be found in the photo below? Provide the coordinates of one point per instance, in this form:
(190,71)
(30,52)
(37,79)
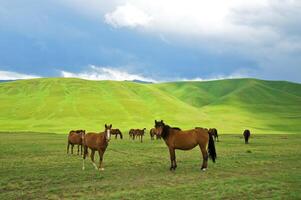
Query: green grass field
(60,104)
(35,166)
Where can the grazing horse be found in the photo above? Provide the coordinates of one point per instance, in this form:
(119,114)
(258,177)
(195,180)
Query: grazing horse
(96,142)
(131,133)
(247,135)
(116,132)
(213,132)
(75,137)
(186,140)
(139,133)
(152,133)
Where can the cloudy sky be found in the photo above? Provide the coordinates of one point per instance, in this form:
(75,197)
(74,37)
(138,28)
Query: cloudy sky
(151,40)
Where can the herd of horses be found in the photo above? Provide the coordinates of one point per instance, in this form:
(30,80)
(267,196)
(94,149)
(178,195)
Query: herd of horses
(174,138)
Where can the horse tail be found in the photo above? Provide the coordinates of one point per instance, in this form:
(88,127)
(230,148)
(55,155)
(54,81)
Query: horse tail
(211,148)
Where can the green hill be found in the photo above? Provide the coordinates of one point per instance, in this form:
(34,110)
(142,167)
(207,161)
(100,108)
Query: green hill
(60,104)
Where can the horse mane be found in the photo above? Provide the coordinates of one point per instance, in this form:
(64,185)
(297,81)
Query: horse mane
(176,128)
(165,131)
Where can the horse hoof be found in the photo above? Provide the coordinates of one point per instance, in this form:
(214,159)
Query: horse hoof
(204,169)
(101,169)
(83,168)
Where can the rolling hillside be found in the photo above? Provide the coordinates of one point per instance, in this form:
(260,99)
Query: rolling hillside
(59,104)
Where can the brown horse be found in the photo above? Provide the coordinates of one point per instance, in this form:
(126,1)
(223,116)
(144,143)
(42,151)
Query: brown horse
(131,133)
(213,132)
(137,133)
(152,133)
(96,142)
(186,140)
(247,135)
(75,137)
(116,132)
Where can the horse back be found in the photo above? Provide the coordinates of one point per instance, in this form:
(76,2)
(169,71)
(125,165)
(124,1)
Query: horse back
(188,139)
(94,140)
(74,138)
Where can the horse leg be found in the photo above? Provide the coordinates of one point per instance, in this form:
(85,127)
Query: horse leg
(78,149)
(100,152)
(173,164)
(141,138)
(115,136)
(205,157)
(72,145)
(92,158)
(68,147)
(84,157)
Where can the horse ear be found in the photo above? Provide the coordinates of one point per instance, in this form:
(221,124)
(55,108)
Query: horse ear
(110,125)
(155,121)
(105,125)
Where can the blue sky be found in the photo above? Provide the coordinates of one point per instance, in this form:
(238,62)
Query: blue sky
(149,40)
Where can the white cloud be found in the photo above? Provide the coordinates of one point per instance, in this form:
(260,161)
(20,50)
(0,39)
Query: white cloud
(218,77)
(105,73)
(128,16)
(8,75)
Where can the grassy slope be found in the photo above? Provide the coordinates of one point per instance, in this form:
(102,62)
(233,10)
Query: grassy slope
(58,105)
(264,106)
(36,165)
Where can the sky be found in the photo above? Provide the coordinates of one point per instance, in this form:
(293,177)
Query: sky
(150,40)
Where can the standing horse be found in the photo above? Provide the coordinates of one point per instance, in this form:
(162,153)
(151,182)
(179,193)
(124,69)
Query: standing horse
(96,142)
(75,137)
(186,140)
(152,133)
(131,133)
(247,135)
(137,133)
(213,131)
(116,132)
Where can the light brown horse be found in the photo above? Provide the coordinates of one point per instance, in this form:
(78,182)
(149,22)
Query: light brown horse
(153,133)
(116,132)
(96,142)
(186,140)
(75,137)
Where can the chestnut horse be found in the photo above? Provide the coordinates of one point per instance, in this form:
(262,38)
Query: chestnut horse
(96,142)
(75,137)
(116,132)
(213,131)
(186,140)
(247,135)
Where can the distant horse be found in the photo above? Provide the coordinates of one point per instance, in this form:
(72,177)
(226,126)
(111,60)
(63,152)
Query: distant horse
(247,135)
(186,140)
(213,131)
(75,137)
(97,142)
(131,133)
(139,133)
(152,134)
(116,132)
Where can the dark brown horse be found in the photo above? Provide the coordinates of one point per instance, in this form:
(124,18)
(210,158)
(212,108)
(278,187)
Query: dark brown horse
(75,137)
(116,132)
(186,140)
(214,133)
(131,133)
(137,133)
(96,142)
(247,135)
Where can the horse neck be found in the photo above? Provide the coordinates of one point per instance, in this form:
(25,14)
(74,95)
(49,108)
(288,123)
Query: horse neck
(166,132)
